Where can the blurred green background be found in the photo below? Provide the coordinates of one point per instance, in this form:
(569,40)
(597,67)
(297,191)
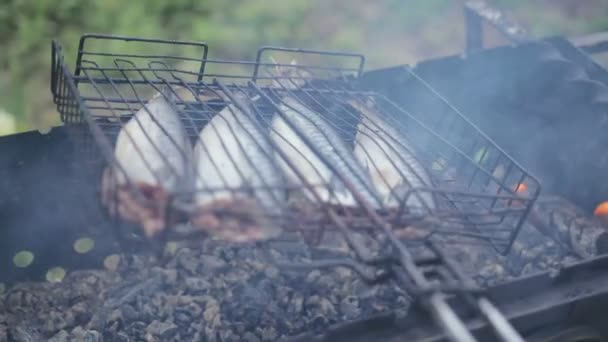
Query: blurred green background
(387,31)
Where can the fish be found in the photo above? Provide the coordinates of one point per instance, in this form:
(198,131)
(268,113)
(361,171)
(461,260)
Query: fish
(239,188)
(326,144)
(387,155)
(153,153)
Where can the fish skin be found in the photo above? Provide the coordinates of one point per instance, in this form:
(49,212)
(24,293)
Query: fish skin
(384,151)
(326,185)
(327,142)
(154,176)
(233,151)
(174,177)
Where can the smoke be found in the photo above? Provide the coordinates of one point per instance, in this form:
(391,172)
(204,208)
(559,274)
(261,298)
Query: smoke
(544,116)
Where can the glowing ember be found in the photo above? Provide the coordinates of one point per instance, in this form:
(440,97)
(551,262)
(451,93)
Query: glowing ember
(521,188)
(601,209)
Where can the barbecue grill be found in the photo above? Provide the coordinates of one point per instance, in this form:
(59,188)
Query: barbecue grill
(480,202)
(484,196)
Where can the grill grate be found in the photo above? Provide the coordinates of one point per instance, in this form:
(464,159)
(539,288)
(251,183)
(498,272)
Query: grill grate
(296,148)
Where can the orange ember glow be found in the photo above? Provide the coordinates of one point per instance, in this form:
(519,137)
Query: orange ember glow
(521,188)
(601,209)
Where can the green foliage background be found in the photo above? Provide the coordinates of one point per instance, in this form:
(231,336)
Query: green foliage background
(387,31)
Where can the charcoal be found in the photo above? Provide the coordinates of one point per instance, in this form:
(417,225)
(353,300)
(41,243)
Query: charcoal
(62,336)
(24,332)
(129,313)
(163,330)
(350,307)
(197,285)
(188,261)
(211,263)
(267,333)
(213,292)
(320,305)
(3,332)
(250,337)
(112,262)
(182,318)
(58,321)
(534,252)
(570,226)
(79,334)
(118,337)
(296,305)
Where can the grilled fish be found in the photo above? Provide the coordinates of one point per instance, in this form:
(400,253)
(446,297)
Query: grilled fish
(154,152)
(325,141)
(236,173)
(387,155)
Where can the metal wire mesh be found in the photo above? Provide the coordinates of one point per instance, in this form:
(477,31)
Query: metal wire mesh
(306,137)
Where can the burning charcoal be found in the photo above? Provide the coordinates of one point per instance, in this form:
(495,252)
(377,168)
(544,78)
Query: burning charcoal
(568,225)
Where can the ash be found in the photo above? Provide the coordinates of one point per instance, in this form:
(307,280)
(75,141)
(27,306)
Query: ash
(212,293)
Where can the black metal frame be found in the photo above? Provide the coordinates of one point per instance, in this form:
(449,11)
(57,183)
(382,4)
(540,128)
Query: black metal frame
(476,13)
(260,57)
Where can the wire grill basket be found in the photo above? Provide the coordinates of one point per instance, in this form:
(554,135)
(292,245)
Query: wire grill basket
(293,146)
